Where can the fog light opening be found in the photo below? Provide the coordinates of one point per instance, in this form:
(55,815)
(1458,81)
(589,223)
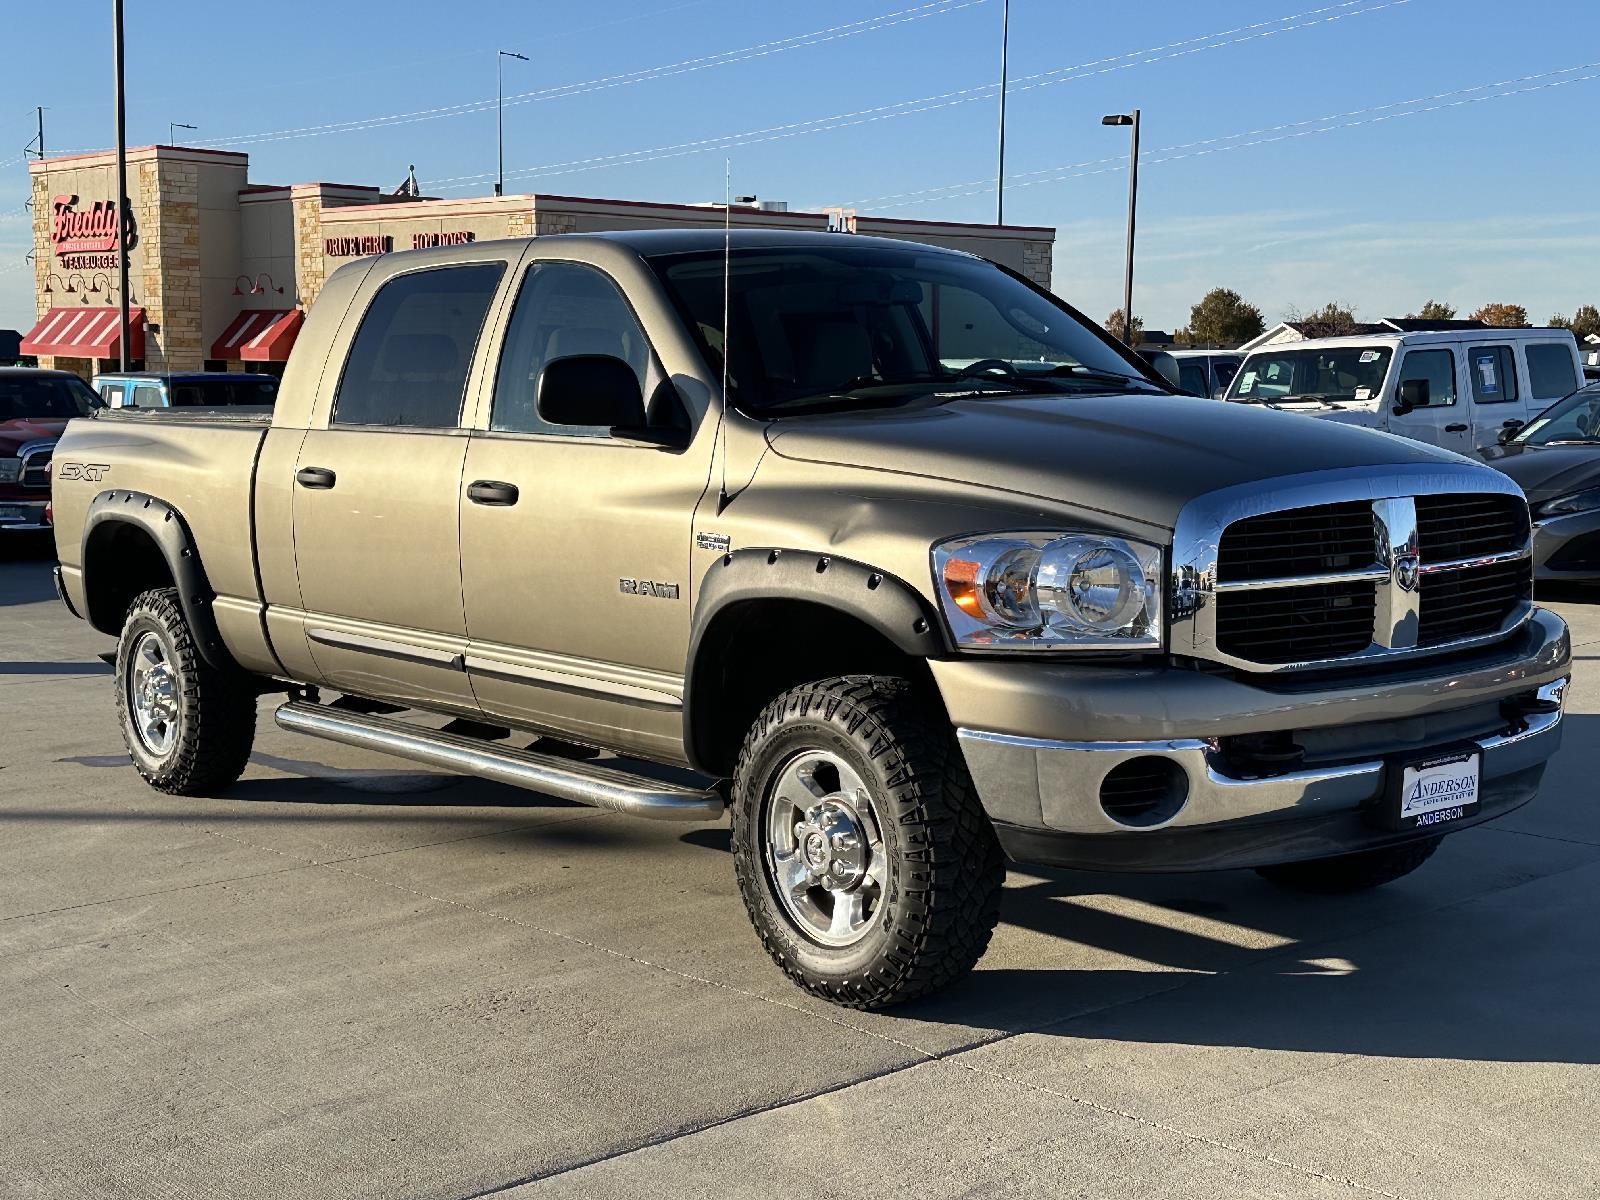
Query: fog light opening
(1144,791)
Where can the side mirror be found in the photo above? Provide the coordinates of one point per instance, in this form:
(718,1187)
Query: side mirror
(1414,393)
(1165,366)
(590,389)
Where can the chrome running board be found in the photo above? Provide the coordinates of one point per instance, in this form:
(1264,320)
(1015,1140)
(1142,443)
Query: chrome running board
(567,779)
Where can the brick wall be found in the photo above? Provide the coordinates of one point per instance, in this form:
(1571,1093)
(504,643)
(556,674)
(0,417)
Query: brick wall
(168,220)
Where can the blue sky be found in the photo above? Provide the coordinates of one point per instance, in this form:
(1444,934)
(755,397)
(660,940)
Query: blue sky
(1490,196)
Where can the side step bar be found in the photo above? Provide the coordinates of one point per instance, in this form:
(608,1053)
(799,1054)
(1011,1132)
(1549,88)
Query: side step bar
(564,778)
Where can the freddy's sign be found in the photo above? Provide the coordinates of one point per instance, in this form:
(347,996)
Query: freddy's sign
(85,238)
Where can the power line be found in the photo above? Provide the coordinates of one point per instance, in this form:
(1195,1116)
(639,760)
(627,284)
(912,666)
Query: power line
(1341,11)
(1333,122)
(932,8)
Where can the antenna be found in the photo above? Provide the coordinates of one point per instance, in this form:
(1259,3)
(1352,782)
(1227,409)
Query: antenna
(727,312)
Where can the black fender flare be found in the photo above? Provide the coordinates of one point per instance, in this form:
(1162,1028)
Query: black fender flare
(880,601)
(166,527)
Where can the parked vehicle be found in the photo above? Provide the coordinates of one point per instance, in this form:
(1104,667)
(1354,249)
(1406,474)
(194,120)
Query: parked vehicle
(903,618)
(1456,389)
(1556,462)
(187,389)
(35,407)
(1201,372)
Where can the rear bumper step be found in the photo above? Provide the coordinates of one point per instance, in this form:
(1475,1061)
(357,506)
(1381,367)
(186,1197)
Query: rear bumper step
(584,782)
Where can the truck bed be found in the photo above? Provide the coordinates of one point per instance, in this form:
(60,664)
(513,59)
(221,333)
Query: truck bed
(233,414)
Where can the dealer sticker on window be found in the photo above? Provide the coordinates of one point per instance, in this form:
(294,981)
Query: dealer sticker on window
(1439,789)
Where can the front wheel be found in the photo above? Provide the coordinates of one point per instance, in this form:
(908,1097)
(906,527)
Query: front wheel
(1352,872)
(867,864)
(189,727)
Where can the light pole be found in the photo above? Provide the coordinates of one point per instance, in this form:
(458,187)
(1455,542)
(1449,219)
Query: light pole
(122,184)
(172,131)
(1005,52)
(1131,120)
(500,57)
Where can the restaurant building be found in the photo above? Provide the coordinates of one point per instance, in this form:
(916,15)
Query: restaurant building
(221,270)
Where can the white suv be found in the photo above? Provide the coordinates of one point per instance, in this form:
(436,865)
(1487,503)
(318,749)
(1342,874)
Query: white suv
(1461,389)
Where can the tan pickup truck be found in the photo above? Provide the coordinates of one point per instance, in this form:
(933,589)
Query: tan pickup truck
(928,573)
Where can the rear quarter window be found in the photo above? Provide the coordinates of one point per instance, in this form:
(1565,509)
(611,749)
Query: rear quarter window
(1551,373)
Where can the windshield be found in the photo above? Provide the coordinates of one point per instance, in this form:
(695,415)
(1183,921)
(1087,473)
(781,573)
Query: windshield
(216,393)
(44,398)
(847,322)
(1352,373)
(1575,419)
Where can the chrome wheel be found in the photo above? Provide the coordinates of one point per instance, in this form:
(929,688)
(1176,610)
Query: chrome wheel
(824,848)
(152,694)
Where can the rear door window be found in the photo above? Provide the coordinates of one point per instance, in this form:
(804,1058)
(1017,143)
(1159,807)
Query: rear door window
(1494,374)
(147,395)
(409,362)
(1551,374)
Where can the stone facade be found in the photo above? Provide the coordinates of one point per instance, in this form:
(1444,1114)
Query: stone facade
(1037,262)
(168,219)
(309,275)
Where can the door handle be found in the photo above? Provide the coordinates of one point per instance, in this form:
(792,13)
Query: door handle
(1513,424)
(492,492)
(1456,428)
(319,478)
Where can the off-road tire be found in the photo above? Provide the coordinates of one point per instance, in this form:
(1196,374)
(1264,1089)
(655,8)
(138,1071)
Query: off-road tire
(941,901)
(216,721)
(1352,872)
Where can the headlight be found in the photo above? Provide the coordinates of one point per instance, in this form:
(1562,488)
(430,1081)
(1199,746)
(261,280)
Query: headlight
(1561,506)
(10,470)
(1044,591)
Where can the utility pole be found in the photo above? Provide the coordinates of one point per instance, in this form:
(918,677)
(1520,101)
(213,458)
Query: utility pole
(500,57)
(40,111)
(122,183)
(1132,121)
(1005,53)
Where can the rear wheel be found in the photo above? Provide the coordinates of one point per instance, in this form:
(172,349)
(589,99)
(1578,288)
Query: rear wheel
(188,726)
(867,864)
(1352,872)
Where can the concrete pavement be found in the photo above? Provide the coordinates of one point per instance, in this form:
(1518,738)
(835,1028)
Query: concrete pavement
(351,977)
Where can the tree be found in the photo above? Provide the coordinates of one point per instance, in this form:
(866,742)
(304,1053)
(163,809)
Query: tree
(1225,318)
(1434,310)
(1114,327)
(1331,320)
(1504,316)
(1584,323)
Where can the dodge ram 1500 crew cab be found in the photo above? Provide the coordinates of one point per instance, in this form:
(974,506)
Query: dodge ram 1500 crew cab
(875,544)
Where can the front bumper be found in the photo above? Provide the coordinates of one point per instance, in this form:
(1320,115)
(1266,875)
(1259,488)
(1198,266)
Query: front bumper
(1042,785)
(1567,548)
(23,516)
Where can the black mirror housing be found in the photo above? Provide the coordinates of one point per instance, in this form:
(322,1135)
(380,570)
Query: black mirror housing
(590,389)
(1414,393)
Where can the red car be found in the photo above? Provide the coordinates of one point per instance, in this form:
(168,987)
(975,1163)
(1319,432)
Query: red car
(35,407)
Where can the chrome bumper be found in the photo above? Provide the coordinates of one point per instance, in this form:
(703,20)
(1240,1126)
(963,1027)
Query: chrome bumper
(1232,821)
(31,519)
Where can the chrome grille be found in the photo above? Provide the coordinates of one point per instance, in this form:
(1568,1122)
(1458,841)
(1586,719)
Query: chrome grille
(1325,584)
(36,465)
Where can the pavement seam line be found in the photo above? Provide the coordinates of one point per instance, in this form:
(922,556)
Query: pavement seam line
(1167,1127)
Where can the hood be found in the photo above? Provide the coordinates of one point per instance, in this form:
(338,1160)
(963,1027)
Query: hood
(1545,472)
(1142,457)
(15,433)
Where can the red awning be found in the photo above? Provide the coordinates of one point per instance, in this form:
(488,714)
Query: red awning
(260,335)
(85,333)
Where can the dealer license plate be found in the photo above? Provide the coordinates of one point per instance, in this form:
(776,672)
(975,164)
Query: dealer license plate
(1435,791)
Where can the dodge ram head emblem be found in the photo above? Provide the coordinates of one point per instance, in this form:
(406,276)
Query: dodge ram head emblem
(1407,572)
